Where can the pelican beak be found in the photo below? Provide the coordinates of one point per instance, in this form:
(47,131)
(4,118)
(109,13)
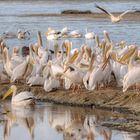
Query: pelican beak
(105,63)
(84,66)
(32,62)
(72,59)
(126,56)
(56,47)
(46,33)
(113,56)
(9,92)
(35,49)
(66,47)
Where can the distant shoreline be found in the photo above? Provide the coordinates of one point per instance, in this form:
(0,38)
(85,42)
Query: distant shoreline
(73,13)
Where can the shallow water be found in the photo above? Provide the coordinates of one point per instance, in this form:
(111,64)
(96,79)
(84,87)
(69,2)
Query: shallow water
(9,21)
(54,122)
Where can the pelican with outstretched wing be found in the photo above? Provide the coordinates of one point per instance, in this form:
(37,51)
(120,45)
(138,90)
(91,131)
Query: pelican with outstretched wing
(114,19)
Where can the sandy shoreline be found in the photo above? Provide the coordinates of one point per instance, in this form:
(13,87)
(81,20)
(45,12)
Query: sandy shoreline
(111,99)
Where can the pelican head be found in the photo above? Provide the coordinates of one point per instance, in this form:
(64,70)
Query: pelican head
(106,35)
(12,89)
(19,31)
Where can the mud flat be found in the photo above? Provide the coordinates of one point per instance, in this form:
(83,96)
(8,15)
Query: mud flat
(110,99)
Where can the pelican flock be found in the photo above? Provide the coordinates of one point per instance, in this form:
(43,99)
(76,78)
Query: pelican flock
(73,68)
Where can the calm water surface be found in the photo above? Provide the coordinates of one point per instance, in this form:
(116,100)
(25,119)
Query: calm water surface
(53,122)
(9,21)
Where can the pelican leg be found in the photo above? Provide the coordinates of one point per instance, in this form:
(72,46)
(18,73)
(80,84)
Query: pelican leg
(78,88)
(61,83)
(97,86)
(73,87)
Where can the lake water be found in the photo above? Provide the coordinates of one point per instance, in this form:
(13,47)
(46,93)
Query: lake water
(54,122)
(11,20)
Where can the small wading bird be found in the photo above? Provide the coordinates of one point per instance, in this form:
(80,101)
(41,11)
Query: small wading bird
(114,19)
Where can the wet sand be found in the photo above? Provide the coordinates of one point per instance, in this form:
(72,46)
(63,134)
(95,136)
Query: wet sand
(111,99)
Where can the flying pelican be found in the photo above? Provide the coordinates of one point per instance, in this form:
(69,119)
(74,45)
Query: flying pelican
(23,98)
(114,19)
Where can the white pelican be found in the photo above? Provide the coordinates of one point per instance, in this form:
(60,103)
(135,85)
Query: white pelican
(15,55)
(23,98)
(132,76)
(75,75)
(51,34)
(114,19)
(64,31)
(19,70)
(75,34)
(36,81)
(8,34)
(9,65)
(51,84)
(89,35)
(22,34)
(51,31)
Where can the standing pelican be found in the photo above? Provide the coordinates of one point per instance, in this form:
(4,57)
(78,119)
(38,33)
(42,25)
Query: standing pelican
(23,98)
(114,19)
(19,70)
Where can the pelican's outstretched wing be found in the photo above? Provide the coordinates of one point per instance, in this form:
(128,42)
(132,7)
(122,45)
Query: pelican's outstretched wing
(127,11)
(105,11)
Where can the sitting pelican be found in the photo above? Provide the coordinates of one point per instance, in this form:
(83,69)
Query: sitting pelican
(51,84)
(75,34)
(23,98)
(52,34)
(114,19)
(64,32)
(89,35)
(22,34)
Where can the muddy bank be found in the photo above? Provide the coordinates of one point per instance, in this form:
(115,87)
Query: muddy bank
(111,99)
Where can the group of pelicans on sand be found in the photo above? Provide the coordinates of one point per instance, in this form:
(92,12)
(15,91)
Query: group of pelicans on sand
(70,68)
